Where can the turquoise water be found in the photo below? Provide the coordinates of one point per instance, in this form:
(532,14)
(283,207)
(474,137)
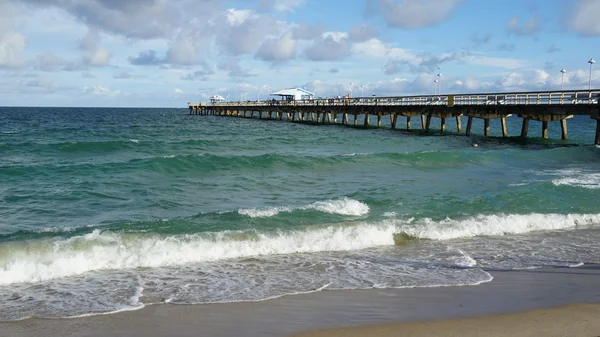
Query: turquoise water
(104,210)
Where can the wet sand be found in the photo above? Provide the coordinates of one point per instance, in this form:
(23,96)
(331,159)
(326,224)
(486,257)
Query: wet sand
(502,307)
(572,320)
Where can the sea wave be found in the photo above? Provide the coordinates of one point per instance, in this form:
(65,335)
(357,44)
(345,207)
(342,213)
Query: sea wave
(43,259)
(492,225)
(577,178)
(101,250)
(345,206)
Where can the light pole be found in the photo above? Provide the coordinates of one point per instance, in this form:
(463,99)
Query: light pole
(362,90)
(591,62)
(562,78)
(351,87)
(439,82)
(435,90)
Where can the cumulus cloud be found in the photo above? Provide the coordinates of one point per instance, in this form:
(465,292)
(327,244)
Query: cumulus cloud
(582,17)
(12,44)
(246,32)
(414,14)
(147,57)
(278,49)
(363,33)
(199,75)
(232,66)
(99,90)
(331,46)
(96,55)
(50,62)
(132,18)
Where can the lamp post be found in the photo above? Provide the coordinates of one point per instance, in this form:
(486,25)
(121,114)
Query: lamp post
(591,62)
(439,82)
(362,90)
(351,87)
(435,90)
(562,78)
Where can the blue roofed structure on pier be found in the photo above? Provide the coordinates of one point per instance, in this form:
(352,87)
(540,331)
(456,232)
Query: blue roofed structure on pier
(294,94)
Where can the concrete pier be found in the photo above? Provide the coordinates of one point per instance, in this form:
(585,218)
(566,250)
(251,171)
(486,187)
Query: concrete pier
(543,106)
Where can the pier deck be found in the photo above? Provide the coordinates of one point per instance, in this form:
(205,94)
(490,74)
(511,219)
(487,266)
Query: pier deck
(544,106)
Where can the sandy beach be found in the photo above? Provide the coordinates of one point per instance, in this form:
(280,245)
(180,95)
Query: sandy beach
(548,302)
(571,320)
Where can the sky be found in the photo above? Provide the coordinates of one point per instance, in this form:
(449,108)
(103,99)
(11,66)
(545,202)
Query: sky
(165,53)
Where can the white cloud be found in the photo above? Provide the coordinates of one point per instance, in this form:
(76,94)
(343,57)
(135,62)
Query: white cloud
(237,17)
(99,90)
(278,49)
(12,44)
(413,14)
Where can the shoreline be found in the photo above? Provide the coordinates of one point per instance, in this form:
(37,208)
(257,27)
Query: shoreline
(509,297)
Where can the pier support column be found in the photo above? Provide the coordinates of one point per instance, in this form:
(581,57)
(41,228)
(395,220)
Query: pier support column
(355,119)
(423,122)
(486,127)
(328,118)
(504,130)
(324,116)
(597,140)
(563,127)
(335,119)
(345,118)
(407,122)
(379,120)
(469,125)
(545,129)
(443,124)
(525,127)
(312,116)
(367,119)
(260,115)
(279,115)
(458,124)
(393,119)
(428,123)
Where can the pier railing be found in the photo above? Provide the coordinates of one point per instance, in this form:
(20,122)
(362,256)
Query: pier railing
(565,97)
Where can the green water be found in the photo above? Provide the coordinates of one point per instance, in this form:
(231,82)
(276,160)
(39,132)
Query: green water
(138,206)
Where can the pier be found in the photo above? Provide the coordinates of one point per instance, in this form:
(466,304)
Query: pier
(543,106)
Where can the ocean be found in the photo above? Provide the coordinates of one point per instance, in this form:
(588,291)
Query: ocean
(105,210)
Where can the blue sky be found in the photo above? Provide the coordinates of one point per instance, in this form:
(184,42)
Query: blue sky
(164,53)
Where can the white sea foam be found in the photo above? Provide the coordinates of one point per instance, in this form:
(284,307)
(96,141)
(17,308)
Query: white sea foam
(493,225)
(345,206)
(578,178)
(48,259)
(356,154)
(263,212)
(135,299)
(103,250)
(169,156)
(134,140)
